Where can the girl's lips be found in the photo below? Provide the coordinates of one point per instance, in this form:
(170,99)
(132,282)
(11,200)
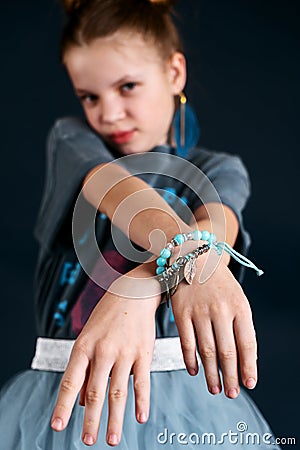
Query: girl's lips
(121,137)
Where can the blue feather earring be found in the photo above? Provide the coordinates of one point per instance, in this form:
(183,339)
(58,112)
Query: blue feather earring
(186,127)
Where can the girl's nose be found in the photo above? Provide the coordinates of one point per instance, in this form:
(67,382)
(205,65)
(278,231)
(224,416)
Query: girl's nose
(112,110)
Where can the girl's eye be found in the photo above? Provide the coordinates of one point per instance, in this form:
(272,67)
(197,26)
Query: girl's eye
(127,87)
(88,98)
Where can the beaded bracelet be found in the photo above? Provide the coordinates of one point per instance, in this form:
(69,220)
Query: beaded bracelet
(210,238)
(184,266)
(177,240)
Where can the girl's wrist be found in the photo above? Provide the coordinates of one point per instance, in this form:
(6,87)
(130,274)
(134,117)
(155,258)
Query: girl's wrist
(183,245)
(139,284)
(191,245)
(163,235)
(177,260)
(184,249)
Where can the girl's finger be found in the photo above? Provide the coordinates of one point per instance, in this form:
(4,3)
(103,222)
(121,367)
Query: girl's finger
(247,348)
(208,354)
(226,347)
(141,376)
(70,385)
(117,397)
(188,344)
(94,399)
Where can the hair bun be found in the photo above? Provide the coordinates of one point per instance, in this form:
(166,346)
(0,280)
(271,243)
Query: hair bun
(71,5)
(166,4)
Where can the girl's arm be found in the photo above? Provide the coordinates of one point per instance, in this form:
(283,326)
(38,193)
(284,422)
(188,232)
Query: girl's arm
(138,209)
(133,206)
(215,315)
(118,339)
(125,315)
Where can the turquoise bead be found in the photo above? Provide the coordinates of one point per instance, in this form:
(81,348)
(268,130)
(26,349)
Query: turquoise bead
(161,262)
(165,253)
(175,266)
(212,238)
(205,235)
(159,270)
(179,238)
(197,235)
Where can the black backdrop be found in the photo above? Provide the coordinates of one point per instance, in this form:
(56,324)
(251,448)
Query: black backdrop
(244,73)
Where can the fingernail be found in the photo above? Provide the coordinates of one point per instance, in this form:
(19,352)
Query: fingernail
(57,424)
(88,439)
(232,393)
(215,390)
(112,439)
(250,383)
(193,371)
(142,417)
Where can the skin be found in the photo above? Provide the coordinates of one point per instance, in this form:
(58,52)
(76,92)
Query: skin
(115,77)
(213,313)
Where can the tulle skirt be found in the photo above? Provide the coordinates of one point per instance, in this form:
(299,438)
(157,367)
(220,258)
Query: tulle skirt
(183,415)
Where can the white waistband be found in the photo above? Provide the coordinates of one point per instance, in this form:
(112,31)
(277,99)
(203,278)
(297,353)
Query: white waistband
(53,355)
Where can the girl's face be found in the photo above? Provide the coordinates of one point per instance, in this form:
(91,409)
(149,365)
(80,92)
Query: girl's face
(126,90)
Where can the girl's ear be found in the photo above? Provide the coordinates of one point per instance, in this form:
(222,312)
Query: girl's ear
(177,72)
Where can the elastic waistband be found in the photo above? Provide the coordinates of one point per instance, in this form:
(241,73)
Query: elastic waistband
(53,354)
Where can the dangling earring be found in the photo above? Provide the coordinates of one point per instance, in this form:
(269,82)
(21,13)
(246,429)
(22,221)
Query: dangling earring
(182,100)
(185,130)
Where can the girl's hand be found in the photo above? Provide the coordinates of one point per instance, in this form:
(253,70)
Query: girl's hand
(117,339)
(217,315)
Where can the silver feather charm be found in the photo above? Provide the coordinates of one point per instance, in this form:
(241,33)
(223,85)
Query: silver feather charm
(190,270)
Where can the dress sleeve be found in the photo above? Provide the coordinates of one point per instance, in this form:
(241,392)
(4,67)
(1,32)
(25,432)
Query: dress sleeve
(73,149)
(230,179)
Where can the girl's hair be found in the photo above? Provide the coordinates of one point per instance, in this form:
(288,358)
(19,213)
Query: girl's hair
(92,19)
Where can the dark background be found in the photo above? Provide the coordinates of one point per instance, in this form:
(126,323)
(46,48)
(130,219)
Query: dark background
(244,71)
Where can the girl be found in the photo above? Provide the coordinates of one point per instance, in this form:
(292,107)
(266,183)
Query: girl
(116,176)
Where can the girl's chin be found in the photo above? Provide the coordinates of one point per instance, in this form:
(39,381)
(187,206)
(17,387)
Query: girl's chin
(130,149)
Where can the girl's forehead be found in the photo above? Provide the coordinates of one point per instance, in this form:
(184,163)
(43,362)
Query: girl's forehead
(126,38)
(126,46)
(105,60)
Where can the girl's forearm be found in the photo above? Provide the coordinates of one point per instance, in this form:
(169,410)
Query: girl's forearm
(143,215)
(139,284)
(220,220)
(133,206)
